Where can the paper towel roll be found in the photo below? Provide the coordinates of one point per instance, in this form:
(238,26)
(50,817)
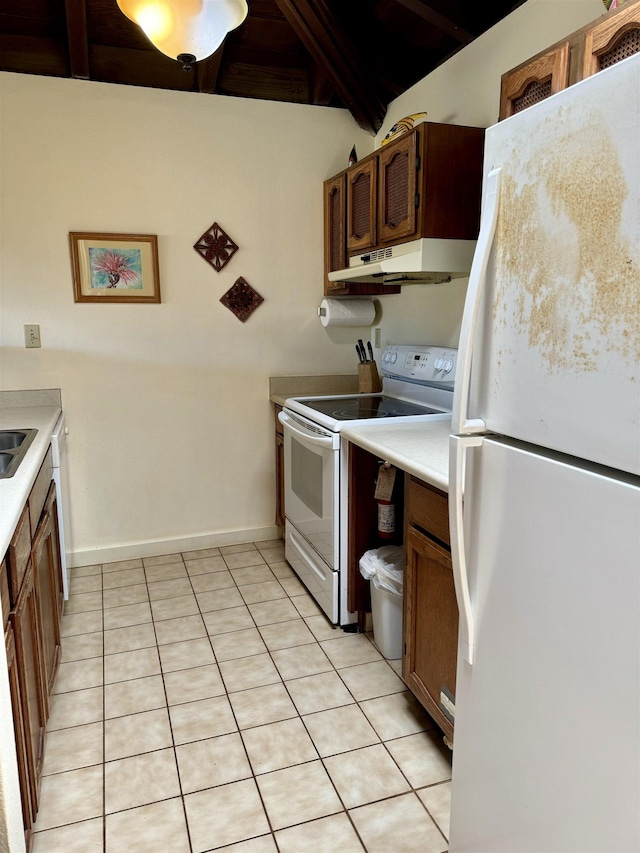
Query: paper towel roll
(347,312)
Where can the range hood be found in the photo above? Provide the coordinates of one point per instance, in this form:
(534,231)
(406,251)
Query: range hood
(425,261)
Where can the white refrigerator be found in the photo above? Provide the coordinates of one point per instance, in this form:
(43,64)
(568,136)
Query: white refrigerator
(545,484)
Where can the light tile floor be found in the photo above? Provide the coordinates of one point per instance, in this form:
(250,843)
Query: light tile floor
(205,703)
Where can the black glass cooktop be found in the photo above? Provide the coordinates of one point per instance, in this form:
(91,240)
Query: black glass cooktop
(360,408)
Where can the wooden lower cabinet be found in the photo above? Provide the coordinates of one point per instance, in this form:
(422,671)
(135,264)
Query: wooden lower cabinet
(45,557)
(32,586)
(431,626)
(33,701)
(28,817)
(430,605)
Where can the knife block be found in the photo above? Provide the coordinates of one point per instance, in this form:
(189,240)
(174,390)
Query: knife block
(368,379)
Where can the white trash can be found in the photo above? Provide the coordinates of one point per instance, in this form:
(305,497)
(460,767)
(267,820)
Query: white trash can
(383,567)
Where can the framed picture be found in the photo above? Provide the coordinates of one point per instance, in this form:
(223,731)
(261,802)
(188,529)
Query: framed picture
(115,267)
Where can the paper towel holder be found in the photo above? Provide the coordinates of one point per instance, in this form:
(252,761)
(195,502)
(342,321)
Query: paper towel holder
(322,311)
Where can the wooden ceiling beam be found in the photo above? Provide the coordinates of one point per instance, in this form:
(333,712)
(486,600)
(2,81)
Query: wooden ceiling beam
(424,10)
(321,89)
(77,39)
(337,56)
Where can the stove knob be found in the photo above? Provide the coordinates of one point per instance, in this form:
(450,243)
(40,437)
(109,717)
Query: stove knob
(393,357)
(385,357)
(448,366)
(438,364)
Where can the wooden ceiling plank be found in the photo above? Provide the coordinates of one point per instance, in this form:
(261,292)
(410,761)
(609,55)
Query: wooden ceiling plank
(77,38)
(32,55)
(440,21)
(274,84)
(208,70)
(333,51)
(131,67)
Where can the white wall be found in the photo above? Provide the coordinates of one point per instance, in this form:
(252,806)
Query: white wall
(466,90)
(171,430)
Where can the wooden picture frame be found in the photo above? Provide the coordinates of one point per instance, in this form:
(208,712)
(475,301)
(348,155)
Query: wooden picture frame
(115,267)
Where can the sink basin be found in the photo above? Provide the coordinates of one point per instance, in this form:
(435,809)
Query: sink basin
(5,461)
(14,444)
(9,439)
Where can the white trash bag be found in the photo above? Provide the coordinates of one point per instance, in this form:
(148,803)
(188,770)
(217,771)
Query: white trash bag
(383,567)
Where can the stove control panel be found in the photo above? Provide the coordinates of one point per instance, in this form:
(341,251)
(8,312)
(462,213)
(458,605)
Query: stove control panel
(420,363)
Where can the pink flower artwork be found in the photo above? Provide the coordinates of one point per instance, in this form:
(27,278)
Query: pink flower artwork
(116,268)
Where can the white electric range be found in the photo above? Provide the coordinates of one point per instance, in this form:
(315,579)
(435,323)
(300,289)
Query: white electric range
(417,385)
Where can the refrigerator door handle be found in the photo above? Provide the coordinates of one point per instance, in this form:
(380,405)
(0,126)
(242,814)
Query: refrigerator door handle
(460,421)
(458,447)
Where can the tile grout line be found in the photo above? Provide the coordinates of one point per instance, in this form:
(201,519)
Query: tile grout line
(166,699)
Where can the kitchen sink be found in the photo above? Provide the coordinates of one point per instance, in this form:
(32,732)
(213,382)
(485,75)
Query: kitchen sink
(14,444)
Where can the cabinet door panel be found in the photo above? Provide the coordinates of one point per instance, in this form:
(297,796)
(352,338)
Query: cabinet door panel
(46,567)
(18,555)
(25,622)
(397,195)
(431,625)
(335,229)
(535,81)
(361,206)
(611,40)
(40,490)
(19,730)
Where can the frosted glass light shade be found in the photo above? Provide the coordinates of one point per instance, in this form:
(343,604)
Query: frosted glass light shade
(195,27)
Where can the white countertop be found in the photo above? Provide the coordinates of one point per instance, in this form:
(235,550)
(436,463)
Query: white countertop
(421,449)
(14,491)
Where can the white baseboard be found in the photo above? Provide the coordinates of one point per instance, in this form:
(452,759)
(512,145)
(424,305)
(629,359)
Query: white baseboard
(135,550)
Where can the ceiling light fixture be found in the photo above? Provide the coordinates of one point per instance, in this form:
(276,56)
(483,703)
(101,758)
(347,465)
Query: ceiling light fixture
(186,30)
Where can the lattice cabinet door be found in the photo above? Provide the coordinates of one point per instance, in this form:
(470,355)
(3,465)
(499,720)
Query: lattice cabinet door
(335,228)
(361,205)
(536,80)
(612,39)
(397,194)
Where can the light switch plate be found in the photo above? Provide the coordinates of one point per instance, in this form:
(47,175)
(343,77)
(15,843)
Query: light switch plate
(32,336)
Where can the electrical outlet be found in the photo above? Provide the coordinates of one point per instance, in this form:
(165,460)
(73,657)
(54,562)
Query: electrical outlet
(31,336)
(377,337)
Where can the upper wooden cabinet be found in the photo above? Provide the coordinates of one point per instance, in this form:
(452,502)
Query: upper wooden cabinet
(612,38)
(535,80)
(425,184)
(603,42)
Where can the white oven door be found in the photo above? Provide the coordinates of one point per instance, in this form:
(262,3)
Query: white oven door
(311,495)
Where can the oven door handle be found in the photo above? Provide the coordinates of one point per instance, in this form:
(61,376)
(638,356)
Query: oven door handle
(310,438)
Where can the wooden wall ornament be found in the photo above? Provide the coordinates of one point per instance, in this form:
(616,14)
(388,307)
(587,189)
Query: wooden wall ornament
(242,300)
(216,247)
